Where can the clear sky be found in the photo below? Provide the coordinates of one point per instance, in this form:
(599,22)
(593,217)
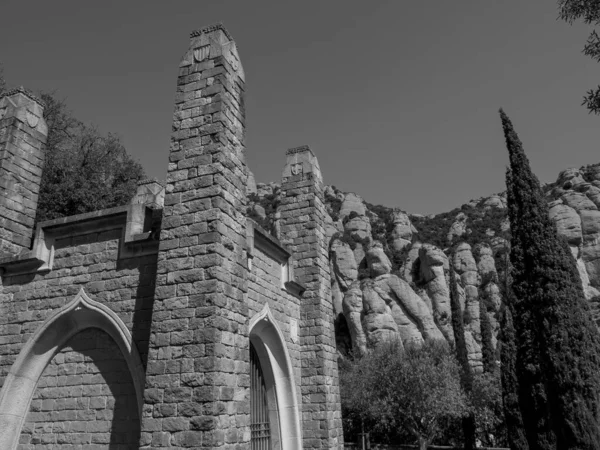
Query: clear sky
(397,99)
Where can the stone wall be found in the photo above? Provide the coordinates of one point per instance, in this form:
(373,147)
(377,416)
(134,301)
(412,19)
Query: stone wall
(87,258)
(266,287)
(88,255)
(84,399)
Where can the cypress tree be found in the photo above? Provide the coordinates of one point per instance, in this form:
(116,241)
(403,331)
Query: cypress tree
(558,352)
(466,374)
(510,384)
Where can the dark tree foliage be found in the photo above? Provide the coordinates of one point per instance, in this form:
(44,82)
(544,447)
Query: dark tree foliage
(349,217)
(462,355)
(84,170)
(416,388)
(269,203)
(487,348)
(589,12)
(572,10)
(510,385)
(62,126)
(434,230)
(2,80)
(356,394)
(557,343)
(334,205)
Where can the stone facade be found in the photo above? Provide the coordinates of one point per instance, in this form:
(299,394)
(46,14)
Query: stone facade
(131,327)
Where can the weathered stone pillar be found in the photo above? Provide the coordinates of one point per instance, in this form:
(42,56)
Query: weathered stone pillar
(197,376)
(23,133)
(303,231)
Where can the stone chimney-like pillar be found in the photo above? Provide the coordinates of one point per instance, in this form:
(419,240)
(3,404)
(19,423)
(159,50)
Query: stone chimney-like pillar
(23,134)
(197,379)
(302,221)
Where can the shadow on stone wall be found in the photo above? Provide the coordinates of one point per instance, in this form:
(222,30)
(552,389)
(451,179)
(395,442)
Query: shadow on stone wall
(144,301)
(85,397)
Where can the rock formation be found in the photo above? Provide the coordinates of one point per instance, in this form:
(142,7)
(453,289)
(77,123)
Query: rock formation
(399,287)
(403,230)
(433,268)
(392,308)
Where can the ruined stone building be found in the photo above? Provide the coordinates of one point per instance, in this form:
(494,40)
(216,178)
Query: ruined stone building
(174,321)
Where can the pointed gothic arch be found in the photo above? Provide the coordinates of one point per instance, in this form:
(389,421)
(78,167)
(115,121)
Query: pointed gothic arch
(269,343)
(21,382)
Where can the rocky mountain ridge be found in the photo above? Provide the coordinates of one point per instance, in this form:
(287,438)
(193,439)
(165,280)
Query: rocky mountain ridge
(391,269)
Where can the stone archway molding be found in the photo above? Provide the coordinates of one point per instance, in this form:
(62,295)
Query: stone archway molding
(269,342)
(21,382)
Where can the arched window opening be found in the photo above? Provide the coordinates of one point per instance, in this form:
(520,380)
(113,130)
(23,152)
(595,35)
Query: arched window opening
(260,428)
(273,397)
(22,380)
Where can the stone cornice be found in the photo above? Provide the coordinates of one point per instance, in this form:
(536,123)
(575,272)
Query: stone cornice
(29,94)
(208,29)
(301,149)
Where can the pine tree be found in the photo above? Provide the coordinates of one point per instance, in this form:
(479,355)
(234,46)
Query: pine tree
(558,352)
(510,385)
(466,374)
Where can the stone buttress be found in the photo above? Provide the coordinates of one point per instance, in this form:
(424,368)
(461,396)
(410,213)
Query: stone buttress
(23,133)
(302,215)
(197,377)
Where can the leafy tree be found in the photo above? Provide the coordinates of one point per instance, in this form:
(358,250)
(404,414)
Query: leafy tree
(62,126)
(84,170)
(356,391)
(557,358)
(486,406)
(589,12)
(412,389)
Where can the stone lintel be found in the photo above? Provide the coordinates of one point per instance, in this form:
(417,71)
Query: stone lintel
(134,219)
(258,237)
(295,288)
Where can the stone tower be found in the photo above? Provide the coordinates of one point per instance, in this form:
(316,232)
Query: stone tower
(23,133)
(202,398)
(303,232)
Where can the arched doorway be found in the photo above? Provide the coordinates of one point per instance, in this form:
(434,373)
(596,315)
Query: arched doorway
(260,423)
(273,393)
(79,315)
